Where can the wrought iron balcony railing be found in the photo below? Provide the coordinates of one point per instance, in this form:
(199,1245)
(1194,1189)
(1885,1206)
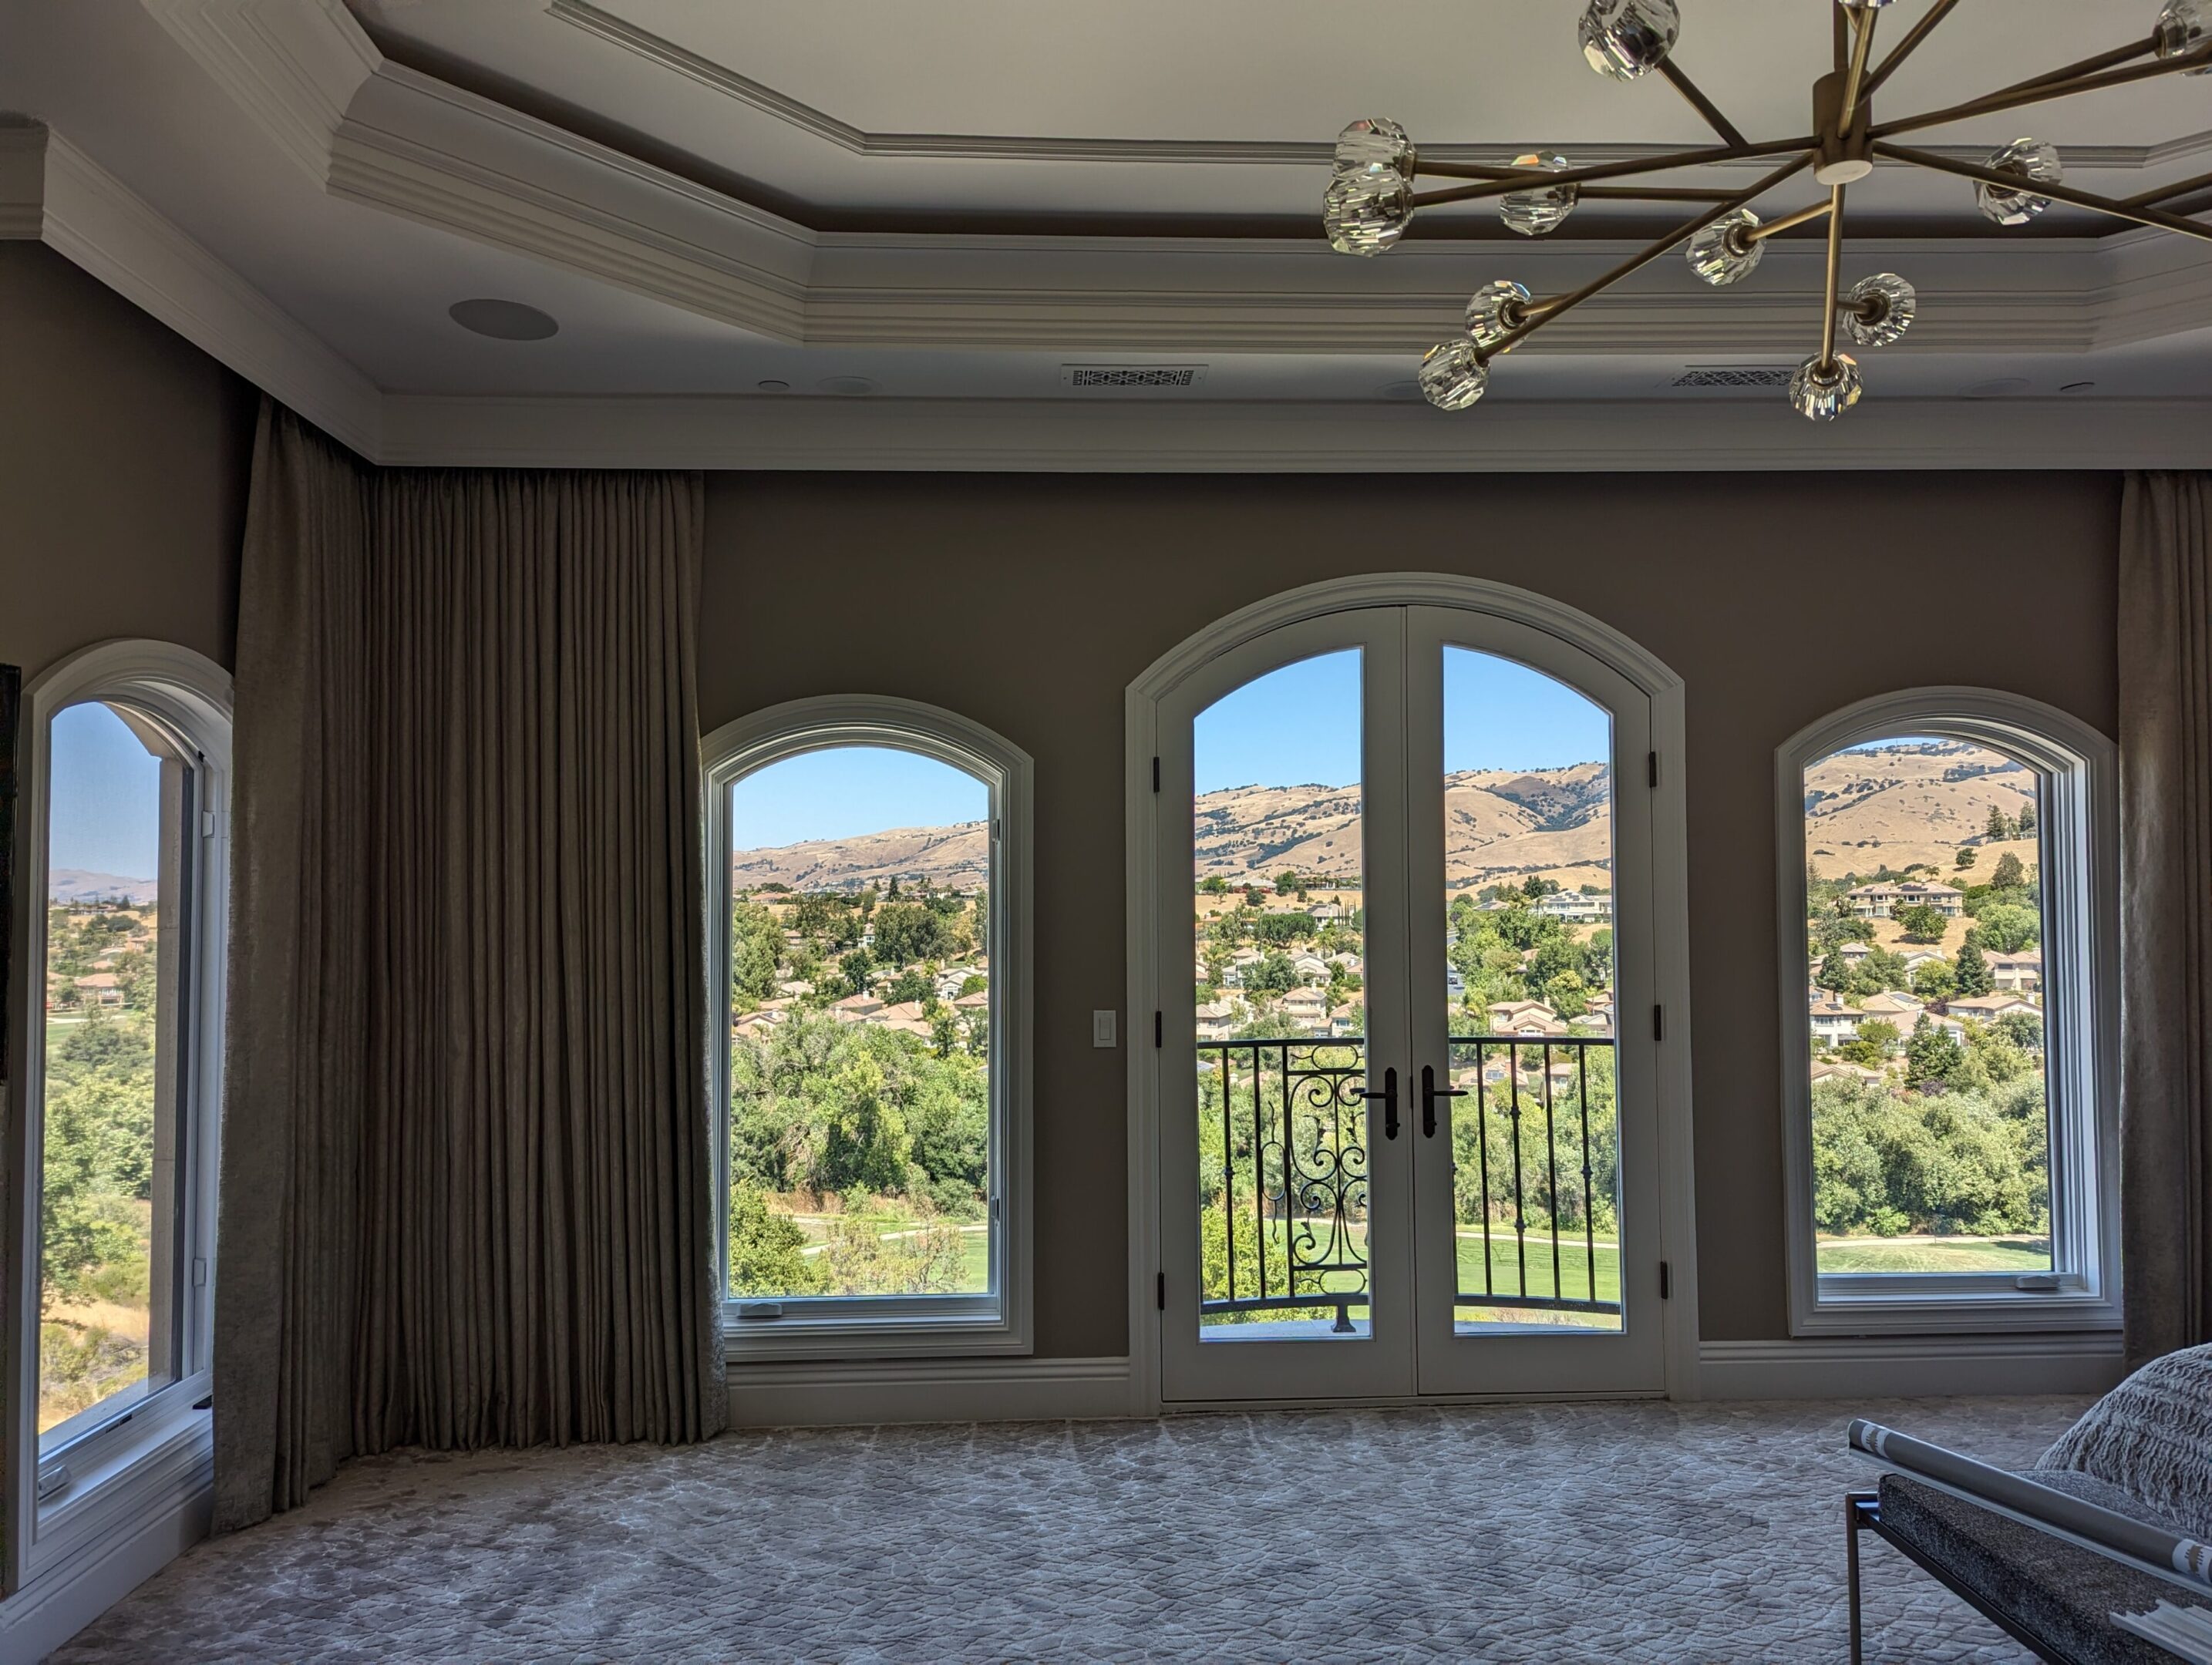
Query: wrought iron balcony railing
(1283,1174)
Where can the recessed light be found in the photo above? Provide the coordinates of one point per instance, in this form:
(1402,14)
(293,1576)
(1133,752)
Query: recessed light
(1998,388)
(773,387)
(850,386)
(2078,387)
(502,320)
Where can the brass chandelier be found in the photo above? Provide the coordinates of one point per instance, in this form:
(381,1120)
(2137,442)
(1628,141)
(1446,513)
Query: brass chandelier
(1371,199)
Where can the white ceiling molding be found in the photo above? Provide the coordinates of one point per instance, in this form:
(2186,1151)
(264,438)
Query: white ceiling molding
(1053,437)
(51,191)
(413,145)
(295,68)
(820,125)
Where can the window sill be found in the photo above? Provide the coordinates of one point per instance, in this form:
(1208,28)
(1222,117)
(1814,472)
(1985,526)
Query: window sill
(801,1336)
(1956,1310)
(119,1476)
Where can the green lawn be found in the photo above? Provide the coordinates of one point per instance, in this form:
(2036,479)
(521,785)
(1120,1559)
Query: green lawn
(1936,1254)
(1504,1261)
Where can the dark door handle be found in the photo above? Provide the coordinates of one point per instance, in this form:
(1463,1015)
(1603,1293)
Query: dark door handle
(1389,1097)
(1429,1093)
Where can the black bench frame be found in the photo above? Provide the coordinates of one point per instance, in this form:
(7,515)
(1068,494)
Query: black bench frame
(1863,1513)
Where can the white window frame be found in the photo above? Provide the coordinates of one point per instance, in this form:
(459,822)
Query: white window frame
(158,1452)
(2078,818)
(814,1327)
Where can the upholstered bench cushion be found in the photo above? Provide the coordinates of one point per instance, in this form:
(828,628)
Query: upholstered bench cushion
(2150,1439)
(2058,1592)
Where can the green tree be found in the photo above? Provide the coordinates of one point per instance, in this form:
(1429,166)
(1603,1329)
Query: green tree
(1920,922)
(767,1249)
(1964,858)
(1999,829)
(1835,973)
(2025,827)
(2009,928)
(1932,1057)
(1271,974)
(1213,886)
(756,950)
(911,984)
(2010,874)
(1934,980)
(1973,968)
(906,931)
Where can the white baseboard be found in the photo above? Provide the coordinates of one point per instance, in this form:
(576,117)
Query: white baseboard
(58,1604)
(927,1390)
(1909,1366)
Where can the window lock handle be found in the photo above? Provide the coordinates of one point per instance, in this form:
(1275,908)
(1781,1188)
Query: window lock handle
(1389,1097)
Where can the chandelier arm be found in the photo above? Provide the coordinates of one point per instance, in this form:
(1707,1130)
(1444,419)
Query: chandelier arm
(1904,49)
(2140,213)
(1651,193)
(1835,276)
(1621,170)
(1542,313)
(1760,234)
(1854,82)
(1680,80)
(2166,194)
(1842,30)
(1476,170)
(2088,66)
(2043,91)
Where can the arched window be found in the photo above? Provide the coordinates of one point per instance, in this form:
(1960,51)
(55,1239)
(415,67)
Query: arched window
(116,1020)
(868,879)
(1946,859)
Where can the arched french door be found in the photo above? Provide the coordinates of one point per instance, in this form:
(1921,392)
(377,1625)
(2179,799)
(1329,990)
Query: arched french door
(1405,942)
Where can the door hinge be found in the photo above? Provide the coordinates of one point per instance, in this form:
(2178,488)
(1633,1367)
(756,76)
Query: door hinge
(1159,1030)
(1163,1292)
(1653,761)
(1156,775)
(1658,1023)
(1665,1282)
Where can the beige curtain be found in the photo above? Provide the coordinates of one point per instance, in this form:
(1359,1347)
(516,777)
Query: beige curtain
(2166,877)
(467,1172)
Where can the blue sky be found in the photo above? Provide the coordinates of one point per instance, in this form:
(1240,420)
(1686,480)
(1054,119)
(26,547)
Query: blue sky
(1300,725)
(1295,726)
(106,796)
(844,792)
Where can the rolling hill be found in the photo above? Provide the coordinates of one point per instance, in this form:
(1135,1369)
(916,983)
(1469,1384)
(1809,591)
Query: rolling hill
(67,884)
(1894,807)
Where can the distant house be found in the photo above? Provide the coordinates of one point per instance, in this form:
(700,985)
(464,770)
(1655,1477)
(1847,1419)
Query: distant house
(1893,1007)
(1884,900)
(99,988)
(2017,974)
(1327,913)
(1853,953)
(1844,1073)
(1346,1020)
(797,990)
(853,1008)
(1218,1021)
(1988,1008)
(905,1016)
(1574,908)
(979,1001)
(1832,1023)
(1592,1022)
(760,1021)
(1309,1006)
(1525,1017)
(1310,969)
(1917,957)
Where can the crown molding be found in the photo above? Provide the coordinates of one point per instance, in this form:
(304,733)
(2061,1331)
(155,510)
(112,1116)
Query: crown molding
(1156,436)
(666,55)
(51,191)
(407,144)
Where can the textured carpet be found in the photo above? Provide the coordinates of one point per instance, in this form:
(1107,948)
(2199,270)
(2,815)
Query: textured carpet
(1646,1532)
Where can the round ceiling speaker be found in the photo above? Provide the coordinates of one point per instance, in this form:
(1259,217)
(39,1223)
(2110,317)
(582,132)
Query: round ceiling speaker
(502,320)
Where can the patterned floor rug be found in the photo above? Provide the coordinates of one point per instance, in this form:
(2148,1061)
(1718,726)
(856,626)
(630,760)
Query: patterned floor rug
(1555,1533)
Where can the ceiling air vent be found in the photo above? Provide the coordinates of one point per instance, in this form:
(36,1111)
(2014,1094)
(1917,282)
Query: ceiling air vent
(1132,378)
(1735,376)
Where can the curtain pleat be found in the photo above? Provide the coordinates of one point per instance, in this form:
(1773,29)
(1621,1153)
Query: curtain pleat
(467,1186)
(2166,877)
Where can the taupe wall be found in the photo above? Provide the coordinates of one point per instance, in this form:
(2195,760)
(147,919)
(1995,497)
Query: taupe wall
(1028,604)
(124,456)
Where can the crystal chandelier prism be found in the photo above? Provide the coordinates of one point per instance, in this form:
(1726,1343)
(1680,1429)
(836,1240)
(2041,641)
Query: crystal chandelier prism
(1372,196)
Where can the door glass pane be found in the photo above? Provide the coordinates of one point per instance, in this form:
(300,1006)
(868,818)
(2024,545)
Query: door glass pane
(1528,981)
(108,1158)
(1931,1147)
(1281,967)
(860,1014)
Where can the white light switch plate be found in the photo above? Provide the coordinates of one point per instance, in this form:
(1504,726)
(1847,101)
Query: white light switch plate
(1102,1026)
